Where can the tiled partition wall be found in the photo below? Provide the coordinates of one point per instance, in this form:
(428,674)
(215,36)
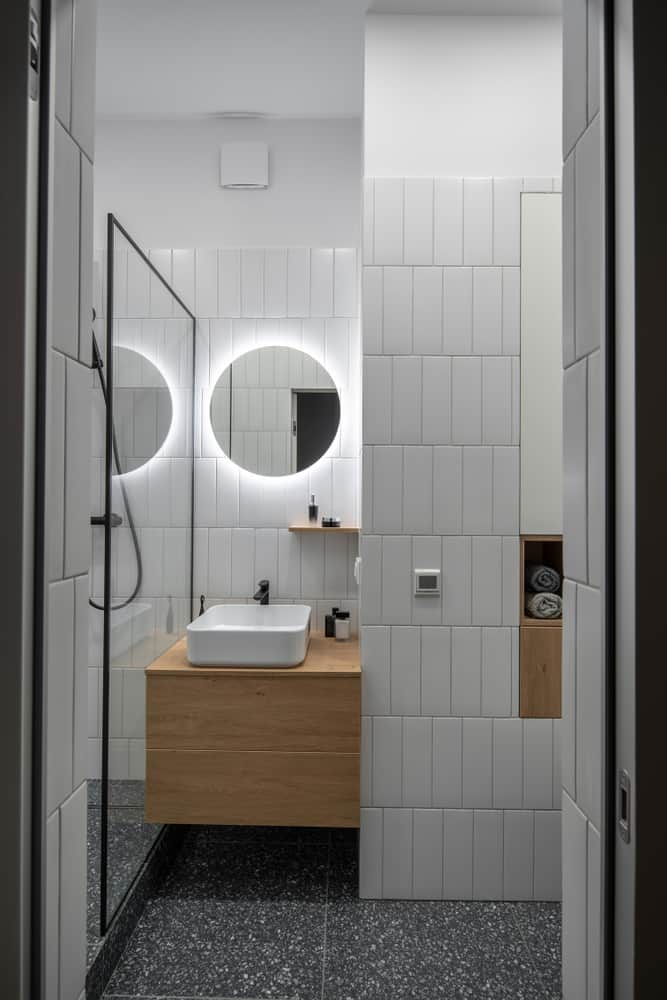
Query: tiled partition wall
(583,508)
(461,798)
(67,514)
(243,299)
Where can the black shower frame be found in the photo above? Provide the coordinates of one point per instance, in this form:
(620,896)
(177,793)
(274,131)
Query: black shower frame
(114,225)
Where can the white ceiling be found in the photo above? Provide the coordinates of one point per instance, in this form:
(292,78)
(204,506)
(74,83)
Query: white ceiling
(296,58)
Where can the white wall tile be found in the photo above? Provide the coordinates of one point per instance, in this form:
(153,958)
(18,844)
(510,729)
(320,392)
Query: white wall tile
(477,221)
(594,915)
(376,673)
(427,310)
(65,297)
(487,330)
(436,400)
(458,854)
(467,401)
(447,763)
(289,564)
(73,844)
(243,559)
(595,471)
(206,283)
(487,854)
(507,220)
(275,282)
(487,581)
(447,490)
(497,400)
(397,310)
(368,221)
(568,740)
(589,698)
(518,854)
(510,574)
(406,401)
(575,494)
(547,884)
(456,580)
(457,310)
(448,221)
(568,209)
(336,565)
(574,899)
(507,763)
(417,761)
(537,763)
(427,853)
(466,671)
(511,310)
(366,762)
(59,692)
(81,630)
(505,491)
(436,671)
(418,237)
(496,672)
(345,282)
(252,282)
(405,671)
(321,283)
(396,580)
(298,282)
(137,291)
(229,282)
(77,469)
(370,854)
(388,237)
(55,501)
(52,908)
(372,309)
(162,302)
(387,760)
(417,475)
(477,490)
(477,763)
(588,240)
(371,579)
(397,851)
(312,564)
(377,402)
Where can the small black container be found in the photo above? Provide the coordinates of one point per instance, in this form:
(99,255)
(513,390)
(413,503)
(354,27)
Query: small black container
(330,624)
(313,510)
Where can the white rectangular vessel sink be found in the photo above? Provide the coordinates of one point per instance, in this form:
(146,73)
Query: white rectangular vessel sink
(247,635)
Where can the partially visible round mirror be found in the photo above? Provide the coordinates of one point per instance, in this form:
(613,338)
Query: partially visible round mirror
(142,409)
(275,411)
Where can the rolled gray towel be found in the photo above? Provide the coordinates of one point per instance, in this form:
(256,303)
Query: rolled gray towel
(544,605)
(542,579)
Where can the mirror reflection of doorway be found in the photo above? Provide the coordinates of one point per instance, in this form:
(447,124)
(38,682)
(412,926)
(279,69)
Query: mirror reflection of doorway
(315,420)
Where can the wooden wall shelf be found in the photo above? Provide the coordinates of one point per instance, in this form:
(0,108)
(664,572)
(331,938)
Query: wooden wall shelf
(541,639)
(343,530)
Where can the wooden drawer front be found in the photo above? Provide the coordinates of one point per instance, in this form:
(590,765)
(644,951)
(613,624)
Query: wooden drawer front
(250,713)
(252,788)
(540,670)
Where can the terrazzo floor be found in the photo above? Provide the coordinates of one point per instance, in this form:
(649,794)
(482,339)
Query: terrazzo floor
(258,914)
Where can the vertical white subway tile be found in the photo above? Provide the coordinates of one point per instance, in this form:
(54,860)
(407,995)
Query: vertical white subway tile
(575,498)
(388,239)
(387,493)
(183,275)
(368,221)
(366,763)
(515,671)
(321,283)
(243,562)
(77,469)
(229,282)
(298,282)
(372,309)
(537,763)
(387,760)
(447,490)
(569,260)
(548,874)
(487,329)
(487,581)
(417,490)
(477,491)
(205,493)
(418,237)
(507,220)
(448,221)
(511,310)
(377,400)
(397,854)
(426,554)
(370,854)
(569,720)
(55,502)
(206,283)
(436,400)
(556,774)
(59,692)
(588,240)
(376,673)
(397,310)
(275,282)
(367,480)
(162,303)
(447,763)
(505,491)
(456,580)
(510,575)
(466,671)
(594,914)
(507,763)
(417,761)
(595,462)
(52,907)
(458,854)
(487,854)
(427,310)
(406,400)
(312,565)
(575,880)
(405,671)
(477,763)
(396,580)
(81,641)
(515,364)
(371,579)
(467,400)
(252,283)
(138,280)
(589,699)
(335,565)
(518,854)
(345,282)
(289,564)
(73,893)
(496,672)
(457,310)
(497,400)
(436,670)
(477,221)
(427,853)
(134,703)
(266,555)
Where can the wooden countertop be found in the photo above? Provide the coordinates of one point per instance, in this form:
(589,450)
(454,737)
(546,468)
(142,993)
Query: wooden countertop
(325,658)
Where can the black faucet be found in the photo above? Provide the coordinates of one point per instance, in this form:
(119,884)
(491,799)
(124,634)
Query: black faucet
(262,594)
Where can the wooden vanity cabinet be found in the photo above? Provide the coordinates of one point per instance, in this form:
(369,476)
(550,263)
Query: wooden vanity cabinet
(255,747)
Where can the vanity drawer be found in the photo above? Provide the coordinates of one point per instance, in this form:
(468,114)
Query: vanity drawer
(252,788)
(236,712)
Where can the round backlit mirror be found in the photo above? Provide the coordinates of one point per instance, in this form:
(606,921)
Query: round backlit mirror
(275,411)
(142,408)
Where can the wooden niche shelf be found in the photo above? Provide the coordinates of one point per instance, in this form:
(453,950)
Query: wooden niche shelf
(343,530)
(541,640)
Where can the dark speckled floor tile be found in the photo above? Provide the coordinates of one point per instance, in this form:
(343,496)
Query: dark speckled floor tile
(540,927)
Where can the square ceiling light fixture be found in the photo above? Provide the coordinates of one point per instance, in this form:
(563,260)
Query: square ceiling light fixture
(244,165)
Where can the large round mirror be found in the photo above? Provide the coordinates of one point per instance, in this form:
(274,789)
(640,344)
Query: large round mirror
(142,409)
(275,411)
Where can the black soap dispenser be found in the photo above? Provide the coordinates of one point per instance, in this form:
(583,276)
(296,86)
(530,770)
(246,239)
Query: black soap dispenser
(313,510)
(330,624)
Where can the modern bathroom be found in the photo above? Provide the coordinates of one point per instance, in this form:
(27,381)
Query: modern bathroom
(324,677)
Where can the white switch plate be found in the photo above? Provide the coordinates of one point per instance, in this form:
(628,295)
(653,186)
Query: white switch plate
(427,583)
